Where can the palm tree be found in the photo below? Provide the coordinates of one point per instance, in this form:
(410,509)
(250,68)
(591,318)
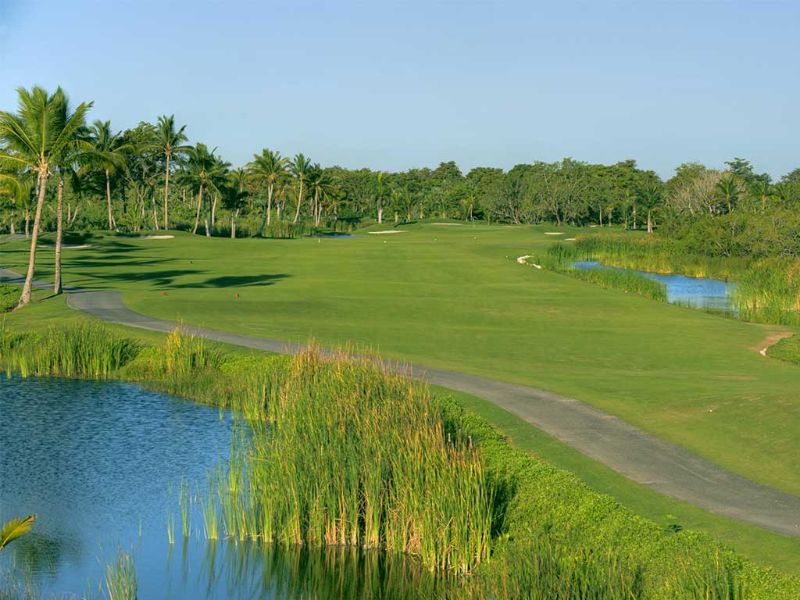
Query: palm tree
(268,168)
(322,186)
(202,172)
(35,139)
(108,153)
(234,195)
(728,190)
(299,168)
(170,143)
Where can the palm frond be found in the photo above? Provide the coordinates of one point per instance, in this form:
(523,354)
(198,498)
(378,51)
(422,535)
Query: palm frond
(14,529)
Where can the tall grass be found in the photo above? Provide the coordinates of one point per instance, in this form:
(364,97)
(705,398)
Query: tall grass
(562,258)
(82,350)
(120,580)
(349,454)
(768,289)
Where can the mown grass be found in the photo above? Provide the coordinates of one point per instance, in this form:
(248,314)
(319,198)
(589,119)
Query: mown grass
(345,453)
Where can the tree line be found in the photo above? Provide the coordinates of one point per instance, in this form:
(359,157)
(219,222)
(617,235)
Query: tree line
(60,171)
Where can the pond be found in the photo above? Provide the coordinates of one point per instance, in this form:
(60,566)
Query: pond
(100,463)
(696,292)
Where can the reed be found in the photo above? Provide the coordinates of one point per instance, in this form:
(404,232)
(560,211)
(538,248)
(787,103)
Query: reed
(82,350)
(120,580)
(348,454)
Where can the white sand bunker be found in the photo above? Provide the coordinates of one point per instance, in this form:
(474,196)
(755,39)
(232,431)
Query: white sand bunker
(523,260)
(80,247)
(569,239)
(158,237)
(554,233)
(387,231)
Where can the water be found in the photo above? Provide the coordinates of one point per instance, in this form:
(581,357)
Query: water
(99,464)
(696,292)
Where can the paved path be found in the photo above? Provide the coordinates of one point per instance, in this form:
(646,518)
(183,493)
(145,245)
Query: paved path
(662,466)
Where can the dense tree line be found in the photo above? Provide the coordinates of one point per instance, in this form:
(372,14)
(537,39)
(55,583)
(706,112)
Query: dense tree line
(60,172)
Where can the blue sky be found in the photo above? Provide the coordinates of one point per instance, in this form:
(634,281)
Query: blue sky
(396,84)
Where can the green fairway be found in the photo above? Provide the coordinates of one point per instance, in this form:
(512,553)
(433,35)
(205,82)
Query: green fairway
(455,297)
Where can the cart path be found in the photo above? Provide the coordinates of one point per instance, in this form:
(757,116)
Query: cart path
(639,456)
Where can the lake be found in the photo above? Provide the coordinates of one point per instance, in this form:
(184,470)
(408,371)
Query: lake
(100,464)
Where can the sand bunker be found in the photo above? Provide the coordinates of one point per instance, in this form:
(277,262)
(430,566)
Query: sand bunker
(158,237)
(554,233)
(387,231)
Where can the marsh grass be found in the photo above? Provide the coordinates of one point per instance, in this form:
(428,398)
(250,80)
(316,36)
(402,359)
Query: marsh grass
(562,258)
(767,290)
(82,350)
(349,454)
(120,580)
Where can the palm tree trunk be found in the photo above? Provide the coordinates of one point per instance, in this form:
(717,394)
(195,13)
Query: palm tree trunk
(649,222)
(166,194)
(197,214)
(234,215)
(25,298)
(27,223)
(59,233)
(111,223)
(214,211)
(299,202)
(269,203)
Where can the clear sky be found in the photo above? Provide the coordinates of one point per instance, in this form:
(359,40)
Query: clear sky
(396,84)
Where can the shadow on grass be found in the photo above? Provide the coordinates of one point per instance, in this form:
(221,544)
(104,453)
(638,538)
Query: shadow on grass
(231,281)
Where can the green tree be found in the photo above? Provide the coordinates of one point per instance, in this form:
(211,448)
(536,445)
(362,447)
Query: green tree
(268,168)
(108,153)
(35,139)
(300,167)
(203,171)
(170,142)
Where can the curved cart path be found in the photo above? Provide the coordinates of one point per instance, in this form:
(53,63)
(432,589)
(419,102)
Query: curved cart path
(650,461)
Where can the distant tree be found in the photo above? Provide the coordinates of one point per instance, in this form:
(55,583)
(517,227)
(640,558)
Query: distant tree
(300,167)
(268,168)
(234,195)
(170,142)
(35,139)
(108,153)
(203,172)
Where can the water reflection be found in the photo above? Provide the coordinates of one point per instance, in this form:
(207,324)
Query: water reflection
(96,463)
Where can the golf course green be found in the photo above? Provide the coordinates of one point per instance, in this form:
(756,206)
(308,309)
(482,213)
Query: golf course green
(455,297)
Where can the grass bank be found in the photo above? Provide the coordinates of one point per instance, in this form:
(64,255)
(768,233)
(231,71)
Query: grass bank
(767,291)
(400,468)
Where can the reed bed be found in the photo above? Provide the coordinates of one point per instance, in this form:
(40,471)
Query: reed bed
(349,454)
(562,258)
(767,290)
(83,350)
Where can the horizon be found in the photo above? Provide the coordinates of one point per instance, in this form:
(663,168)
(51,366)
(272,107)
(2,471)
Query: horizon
(409,85)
